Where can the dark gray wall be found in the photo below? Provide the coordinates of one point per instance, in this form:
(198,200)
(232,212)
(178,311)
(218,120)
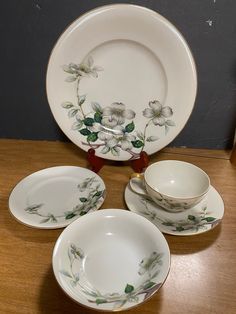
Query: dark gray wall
(29,29)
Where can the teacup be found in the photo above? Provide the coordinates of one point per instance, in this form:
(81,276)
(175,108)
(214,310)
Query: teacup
(171,184)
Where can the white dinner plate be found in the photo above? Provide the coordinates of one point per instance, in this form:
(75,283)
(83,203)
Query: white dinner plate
(111,260)
(201,218)
(121,79)
(54,197)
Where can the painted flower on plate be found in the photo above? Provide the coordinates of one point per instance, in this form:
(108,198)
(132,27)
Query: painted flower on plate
(112,129)
(85,68)
(124,138)
(157,112)
(116,112)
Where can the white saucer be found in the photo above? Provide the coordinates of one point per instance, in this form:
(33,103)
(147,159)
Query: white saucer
(111,260)
(201,218)
(54,197)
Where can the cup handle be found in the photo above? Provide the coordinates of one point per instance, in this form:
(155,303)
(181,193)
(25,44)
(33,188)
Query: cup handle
(136,183)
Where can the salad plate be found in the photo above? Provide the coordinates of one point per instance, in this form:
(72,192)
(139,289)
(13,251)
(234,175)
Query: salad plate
(198,219)
(121,79)
(111,260)
(54,197)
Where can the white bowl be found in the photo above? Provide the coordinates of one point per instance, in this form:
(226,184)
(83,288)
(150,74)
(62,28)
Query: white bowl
(111,260)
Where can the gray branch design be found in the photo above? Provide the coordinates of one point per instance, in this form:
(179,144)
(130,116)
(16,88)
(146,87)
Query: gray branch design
(191,222)
(92,193)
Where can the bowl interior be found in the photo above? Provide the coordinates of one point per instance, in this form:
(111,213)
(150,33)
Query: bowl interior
(177,179)
(104,258)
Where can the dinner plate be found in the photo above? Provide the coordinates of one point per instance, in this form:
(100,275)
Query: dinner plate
(111,260)
(201,218)
(121,79)
(54,197)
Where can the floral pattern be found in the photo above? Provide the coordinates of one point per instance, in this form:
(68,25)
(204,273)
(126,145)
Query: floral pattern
(87,201)
(149,269)
(191,222)
(111,129)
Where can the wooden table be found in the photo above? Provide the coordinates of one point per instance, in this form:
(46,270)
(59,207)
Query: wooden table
(202,278)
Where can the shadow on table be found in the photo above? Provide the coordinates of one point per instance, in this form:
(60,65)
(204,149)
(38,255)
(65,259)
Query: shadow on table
(53,300)
(192,244)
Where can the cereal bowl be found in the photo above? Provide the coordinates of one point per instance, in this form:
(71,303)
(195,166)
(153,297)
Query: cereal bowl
(111,260)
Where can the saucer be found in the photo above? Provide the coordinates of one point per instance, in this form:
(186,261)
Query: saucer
(201,218)
(111,260)
(54,197)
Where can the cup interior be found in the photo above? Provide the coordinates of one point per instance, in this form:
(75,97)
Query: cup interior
(177,179)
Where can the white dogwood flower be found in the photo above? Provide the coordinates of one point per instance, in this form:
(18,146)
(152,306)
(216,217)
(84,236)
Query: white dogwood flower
(157,112)
(124,138)
(117,112)
(85,68)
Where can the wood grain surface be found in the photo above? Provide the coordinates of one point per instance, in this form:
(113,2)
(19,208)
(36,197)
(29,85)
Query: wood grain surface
(202,278)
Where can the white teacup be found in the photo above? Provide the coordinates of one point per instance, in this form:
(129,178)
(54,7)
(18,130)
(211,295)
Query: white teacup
(173,185)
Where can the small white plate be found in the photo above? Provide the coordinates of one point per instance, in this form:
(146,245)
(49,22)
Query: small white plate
(54,197)
(121,79)
(111,260)
(201,218)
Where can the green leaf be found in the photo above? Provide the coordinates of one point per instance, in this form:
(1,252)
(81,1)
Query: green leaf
(191,217)
(70,215)
(82,100)
(149,285)
(209,219)
(137,143)
(83,199)
(45,220)
(67,69)
(167,223)
(72,112)
(179,228)
(77,125)
(98,117)
(105,150)
(170,123)
(88,121)
(65,273)
(96,107)
(100,301)
(98,193)
(129,288)
(85,132)
(140,135)
(53,218)
(70,79)
(130,127)
(92,137)
(152,138)
(115,151)
(82,213)
(67,104)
